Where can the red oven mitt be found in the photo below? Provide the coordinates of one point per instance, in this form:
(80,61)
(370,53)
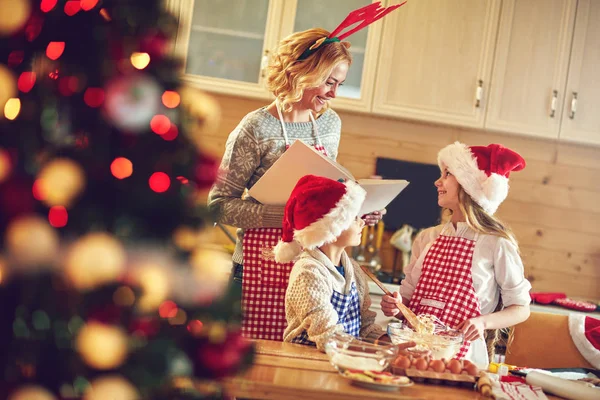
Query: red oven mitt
(546,298)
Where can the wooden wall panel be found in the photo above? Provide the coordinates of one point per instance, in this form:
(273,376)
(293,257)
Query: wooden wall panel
(552,206)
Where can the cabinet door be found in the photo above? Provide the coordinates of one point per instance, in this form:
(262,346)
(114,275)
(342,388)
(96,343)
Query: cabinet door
(530,66)
(435,61)
(223,43)
(356,93)
(581,119)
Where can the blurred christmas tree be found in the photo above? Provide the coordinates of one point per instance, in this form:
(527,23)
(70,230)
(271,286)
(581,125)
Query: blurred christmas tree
(106,289)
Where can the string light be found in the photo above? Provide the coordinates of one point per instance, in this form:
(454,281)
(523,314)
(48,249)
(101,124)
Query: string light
(72,7)
(12,108)
(168,309)
(55,50)
(121,168)
(5,166)
(58,216)
(171,134)
(160,124)
(140,60)
(171,99)
(26,81)
(159,182)
(47,5)
(87,5)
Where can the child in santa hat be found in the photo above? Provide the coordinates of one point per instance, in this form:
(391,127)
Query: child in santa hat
(468,271)
(327,291)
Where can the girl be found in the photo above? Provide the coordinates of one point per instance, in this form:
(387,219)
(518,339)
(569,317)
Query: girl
(463,270)
(327,291)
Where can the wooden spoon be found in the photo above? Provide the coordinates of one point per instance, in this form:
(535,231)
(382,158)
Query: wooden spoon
(410,316)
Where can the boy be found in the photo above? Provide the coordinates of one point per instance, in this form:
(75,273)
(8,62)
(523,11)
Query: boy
(327,291)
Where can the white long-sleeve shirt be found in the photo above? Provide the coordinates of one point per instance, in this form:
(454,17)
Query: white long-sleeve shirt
(308,298)
(497,270)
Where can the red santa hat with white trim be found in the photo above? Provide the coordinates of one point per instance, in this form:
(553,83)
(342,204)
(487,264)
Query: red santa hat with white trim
(317,212)
(482,171)
(585,332)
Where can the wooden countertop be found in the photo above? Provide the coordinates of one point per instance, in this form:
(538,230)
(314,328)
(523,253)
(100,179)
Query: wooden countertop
(292,371)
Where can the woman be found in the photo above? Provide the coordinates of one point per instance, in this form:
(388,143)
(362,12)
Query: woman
(304,74)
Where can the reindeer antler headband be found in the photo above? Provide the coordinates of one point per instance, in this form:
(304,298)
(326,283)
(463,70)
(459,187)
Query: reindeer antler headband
(365,15)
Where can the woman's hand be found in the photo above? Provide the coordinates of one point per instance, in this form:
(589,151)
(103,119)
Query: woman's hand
(374,217)
(389,304)
(473,328)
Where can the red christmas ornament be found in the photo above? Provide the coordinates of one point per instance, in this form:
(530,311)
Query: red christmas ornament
(205,171)
(216,360)
(155,44)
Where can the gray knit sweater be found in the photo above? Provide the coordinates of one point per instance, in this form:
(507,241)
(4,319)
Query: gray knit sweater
(253,146)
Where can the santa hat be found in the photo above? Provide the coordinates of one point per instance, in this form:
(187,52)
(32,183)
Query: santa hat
(317,212)
(482,171)
(585,332)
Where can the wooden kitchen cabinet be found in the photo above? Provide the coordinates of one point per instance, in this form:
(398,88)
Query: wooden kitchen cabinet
(435,61)
(530,69)
(581,119)
(226,43)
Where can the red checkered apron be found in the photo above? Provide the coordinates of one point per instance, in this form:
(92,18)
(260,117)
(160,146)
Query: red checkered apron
(265,281)
(445,288)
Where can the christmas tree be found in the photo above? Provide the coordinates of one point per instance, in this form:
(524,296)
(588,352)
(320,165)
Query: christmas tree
(106,287)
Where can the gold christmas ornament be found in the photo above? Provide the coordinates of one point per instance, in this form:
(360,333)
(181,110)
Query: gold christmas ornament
(95,259)
(8,83)
(155,284)
(14,15)
(113,387)
(60,181)
(102,346)
(203,116)
(31,392)
(211,264)
(31,242)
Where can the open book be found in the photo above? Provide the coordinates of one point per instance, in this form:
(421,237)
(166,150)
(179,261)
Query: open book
(276,185)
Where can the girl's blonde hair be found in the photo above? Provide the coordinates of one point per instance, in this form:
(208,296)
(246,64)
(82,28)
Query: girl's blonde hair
(288,77)
(482,222)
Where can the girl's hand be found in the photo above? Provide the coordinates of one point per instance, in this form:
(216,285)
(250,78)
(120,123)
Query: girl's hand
(388,304)
(473,328)
(374,217)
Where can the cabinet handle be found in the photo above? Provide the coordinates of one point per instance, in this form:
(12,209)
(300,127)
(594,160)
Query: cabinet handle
(573,105)
(478,93)
(263,63)
(553,103)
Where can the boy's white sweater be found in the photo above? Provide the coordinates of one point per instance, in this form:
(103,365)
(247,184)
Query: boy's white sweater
(308,298)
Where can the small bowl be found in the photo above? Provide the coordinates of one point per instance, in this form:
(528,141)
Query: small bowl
(349,353)
(442,344)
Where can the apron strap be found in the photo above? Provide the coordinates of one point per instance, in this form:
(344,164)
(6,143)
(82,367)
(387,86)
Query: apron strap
(285,136)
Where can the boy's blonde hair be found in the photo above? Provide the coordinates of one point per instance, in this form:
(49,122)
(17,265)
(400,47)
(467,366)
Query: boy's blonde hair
(288,77)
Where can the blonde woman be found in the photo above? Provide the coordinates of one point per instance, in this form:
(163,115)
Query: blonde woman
(468,271)
(304,75)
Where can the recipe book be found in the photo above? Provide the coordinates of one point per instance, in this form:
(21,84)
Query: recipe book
(276,185)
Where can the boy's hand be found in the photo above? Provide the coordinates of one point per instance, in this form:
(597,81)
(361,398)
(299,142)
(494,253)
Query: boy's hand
(374,217)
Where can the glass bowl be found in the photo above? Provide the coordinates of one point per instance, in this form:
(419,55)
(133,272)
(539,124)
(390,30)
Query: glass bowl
(349,353)
(442,344)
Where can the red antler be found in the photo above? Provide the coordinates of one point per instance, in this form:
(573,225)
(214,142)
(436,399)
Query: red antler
(366,16)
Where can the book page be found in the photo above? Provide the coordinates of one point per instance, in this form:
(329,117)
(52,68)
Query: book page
(380,193)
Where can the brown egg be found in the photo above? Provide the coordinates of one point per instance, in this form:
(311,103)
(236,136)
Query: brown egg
(454,366)
(437,365)
(470,369)
(402,362)
(421,364)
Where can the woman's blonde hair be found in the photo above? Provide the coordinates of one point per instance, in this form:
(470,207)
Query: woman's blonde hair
(288,77)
